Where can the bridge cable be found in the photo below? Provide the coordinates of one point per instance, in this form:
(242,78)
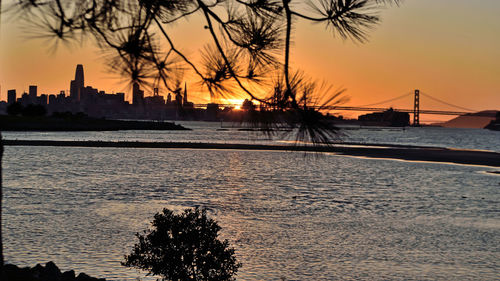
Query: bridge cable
(385,101)
(449,104)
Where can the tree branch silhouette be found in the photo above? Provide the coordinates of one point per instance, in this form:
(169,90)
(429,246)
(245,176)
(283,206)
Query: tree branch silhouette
(252,48)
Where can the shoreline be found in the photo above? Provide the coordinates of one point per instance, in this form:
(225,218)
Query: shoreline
(76,123)
(410,153)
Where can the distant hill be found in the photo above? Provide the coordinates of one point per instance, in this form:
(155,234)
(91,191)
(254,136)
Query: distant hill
(471,120)
(495,124)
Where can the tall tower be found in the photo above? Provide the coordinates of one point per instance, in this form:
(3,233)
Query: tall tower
(77,85)
(33,93)
(416,109)
(79,76)
(137,94)
(185,94)
(178,97)
(11,96)
(169,99)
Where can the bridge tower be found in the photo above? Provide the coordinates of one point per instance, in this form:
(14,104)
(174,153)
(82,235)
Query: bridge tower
(416,109)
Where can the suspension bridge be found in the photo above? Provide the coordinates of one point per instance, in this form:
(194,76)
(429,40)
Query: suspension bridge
(415,111)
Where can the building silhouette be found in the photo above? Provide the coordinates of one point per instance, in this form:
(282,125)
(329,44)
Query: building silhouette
(76,86)
(25,99)
(95,103)
(185,103)
(178,97)
(137,95)
(42,100)
(33,93)
(169,99)
(11,96)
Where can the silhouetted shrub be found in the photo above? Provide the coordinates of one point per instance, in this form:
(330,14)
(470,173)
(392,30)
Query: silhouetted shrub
(184,247)
(34,110)
(14,109)
(62,115)
(69,115)
(81,115)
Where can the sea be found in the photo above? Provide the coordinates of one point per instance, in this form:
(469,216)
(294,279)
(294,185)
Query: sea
(288,215)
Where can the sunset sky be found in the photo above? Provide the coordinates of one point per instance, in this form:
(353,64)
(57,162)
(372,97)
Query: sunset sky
(449,49)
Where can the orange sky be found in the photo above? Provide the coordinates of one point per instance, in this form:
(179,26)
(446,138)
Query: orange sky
(447,49)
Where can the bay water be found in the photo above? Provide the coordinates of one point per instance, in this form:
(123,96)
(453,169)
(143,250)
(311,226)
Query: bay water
(290,216)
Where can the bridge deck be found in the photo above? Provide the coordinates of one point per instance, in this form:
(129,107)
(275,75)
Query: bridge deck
(370,109)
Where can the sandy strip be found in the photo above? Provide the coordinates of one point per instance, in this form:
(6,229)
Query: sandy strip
(470,157)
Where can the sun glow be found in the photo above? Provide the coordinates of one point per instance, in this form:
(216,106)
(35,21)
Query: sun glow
(235,102)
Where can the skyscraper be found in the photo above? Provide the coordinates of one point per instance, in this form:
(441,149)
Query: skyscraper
(73,94)
(137,94)
(185,94)
(33,93)
(77,85)
(169,99)
(11,96)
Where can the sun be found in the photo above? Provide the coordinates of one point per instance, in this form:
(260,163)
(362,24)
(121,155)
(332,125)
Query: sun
(235,102)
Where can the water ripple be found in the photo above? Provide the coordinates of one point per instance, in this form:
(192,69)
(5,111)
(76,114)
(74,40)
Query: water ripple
(288,217)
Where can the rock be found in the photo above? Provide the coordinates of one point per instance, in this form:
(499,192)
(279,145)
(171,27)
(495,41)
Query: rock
(40,273)
(83,277)
(68,275)
(37,271)
(14,273)
(52,271)
(10,268)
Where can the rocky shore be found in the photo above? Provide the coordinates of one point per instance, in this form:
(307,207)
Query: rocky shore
(49,272)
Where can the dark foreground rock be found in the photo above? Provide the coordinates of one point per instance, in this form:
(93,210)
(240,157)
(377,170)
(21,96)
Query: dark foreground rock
(49,272)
